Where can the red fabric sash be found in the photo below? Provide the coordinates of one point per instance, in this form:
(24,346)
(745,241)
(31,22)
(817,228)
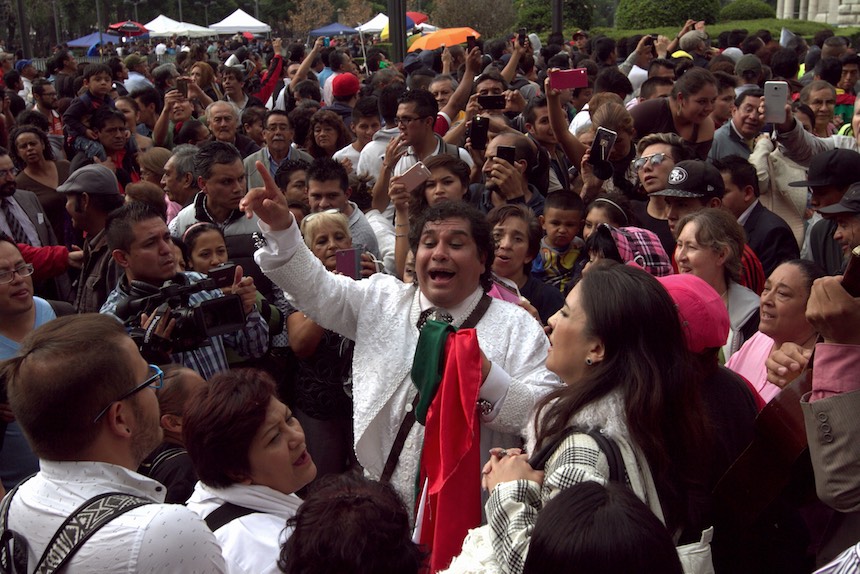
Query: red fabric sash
(451,457)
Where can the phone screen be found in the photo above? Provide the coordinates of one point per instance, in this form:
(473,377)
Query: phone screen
(507,153)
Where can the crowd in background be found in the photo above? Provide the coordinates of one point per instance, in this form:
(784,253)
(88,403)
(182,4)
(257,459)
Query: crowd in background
(649,261)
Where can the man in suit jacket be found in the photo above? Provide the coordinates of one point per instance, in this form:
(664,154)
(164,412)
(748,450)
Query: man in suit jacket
(768,235)
(23,219)
(278,134)
(830,410)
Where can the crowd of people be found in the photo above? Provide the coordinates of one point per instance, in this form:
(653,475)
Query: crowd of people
(268,307)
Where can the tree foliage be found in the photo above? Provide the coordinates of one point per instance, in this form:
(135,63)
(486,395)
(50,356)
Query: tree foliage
(491,18)
(356,12)
(537,16)
(653,13)
(746,10)
(309,15)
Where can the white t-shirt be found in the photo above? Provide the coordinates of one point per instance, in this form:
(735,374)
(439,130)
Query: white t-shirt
(350,153)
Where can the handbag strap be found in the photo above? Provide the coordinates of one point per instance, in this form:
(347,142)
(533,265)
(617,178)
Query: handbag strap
(13,546)
(604,442)
(82,524)
(227,512)
(68,539)
(409,420)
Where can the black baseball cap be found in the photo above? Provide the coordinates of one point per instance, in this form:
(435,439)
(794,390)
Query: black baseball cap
(850,202)
(839,167)
(694,179)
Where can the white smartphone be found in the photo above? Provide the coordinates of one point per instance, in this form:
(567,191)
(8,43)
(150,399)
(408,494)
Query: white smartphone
(775,98)
(415,176)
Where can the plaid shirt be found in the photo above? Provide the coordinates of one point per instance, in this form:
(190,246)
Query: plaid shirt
(641,247)
(513,506)
(251,342)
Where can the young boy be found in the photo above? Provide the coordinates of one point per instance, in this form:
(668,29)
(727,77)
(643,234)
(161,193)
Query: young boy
(365,123)
(253,120)
(560,247)
(79,135)
(291,177)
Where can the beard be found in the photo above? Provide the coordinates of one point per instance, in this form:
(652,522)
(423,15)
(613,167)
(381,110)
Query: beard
(7,188)
(148,436)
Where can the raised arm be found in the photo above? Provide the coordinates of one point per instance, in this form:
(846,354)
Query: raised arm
(305,67)
(573,148)
(461,95)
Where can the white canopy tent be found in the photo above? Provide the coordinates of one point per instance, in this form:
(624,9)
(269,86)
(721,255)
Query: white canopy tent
(240,21)
(374,25)
(163,27)
(191,31)
(160,25)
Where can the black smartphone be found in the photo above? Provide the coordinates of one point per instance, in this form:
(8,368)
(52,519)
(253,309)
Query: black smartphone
(223,274)
(521,37)
(479,131)
(507,153)
(492,102)
(182,86)
(602,145)
(471,42)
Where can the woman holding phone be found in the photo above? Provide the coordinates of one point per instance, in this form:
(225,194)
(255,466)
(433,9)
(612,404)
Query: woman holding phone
(411,196)
(611,123)
(321,398)
(686,112)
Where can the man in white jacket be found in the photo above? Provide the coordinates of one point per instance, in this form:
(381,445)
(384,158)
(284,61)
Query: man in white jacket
(454,252)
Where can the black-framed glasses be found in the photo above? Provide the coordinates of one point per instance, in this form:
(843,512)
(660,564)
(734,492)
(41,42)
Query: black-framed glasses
(655,159)
(406,121)
(24,270)
(156,380)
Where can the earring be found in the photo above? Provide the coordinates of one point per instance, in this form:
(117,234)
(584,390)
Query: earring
(588,361)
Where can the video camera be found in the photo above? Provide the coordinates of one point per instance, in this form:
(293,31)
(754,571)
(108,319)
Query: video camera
(194,324)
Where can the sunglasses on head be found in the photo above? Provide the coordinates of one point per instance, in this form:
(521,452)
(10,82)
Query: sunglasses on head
(655,159)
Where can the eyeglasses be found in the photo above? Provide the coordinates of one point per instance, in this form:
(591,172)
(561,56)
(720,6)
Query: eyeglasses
(404,121)
(308,218)
(155,381)
(13,171)
(655,159)
(24,270)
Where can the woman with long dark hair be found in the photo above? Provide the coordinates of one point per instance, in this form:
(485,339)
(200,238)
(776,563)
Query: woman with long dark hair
(618,346)
(42,174)
(686,112)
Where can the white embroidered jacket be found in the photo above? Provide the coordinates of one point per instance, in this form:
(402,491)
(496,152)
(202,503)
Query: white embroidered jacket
(380,314)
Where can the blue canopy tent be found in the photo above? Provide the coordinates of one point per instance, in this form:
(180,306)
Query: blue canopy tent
(89,40)
(333,30)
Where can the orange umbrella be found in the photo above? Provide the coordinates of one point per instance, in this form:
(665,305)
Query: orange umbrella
(446,37)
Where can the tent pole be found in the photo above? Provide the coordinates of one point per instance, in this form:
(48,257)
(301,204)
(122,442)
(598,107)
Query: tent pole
(363,51)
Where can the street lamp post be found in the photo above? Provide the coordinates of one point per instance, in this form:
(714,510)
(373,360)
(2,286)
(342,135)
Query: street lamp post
(134,3)
(180,11)
(25,30)
(56,19)
(205,4)
(556,17)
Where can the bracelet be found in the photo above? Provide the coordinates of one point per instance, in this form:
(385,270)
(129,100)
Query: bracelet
(401,235)
(401,225)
